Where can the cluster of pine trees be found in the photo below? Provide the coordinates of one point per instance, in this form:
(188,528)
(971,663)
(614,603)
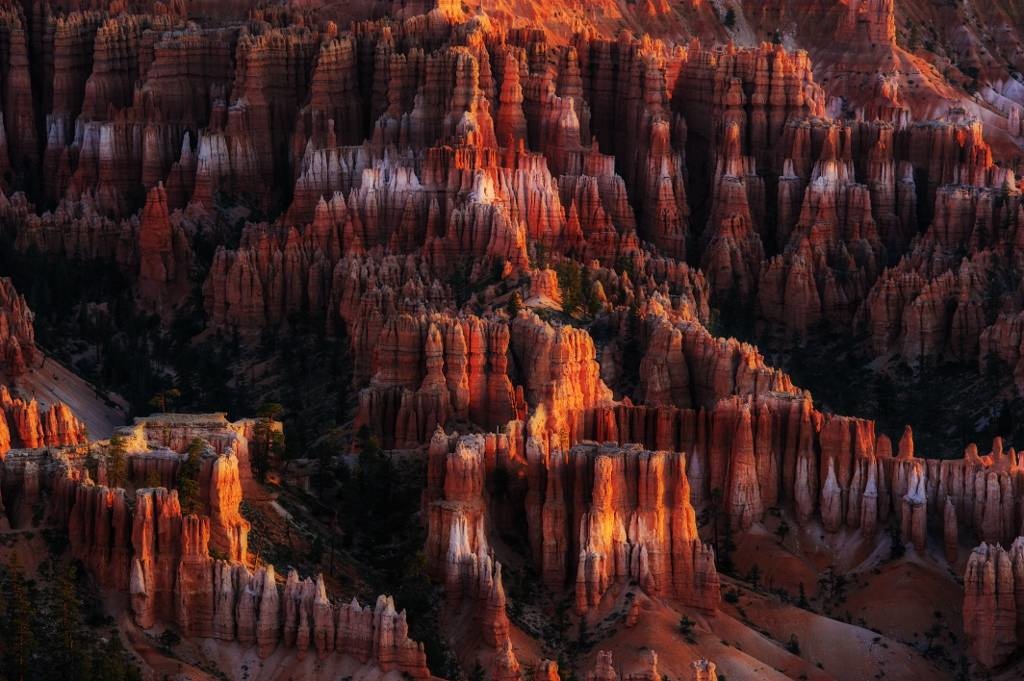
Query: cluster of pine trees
(55,629)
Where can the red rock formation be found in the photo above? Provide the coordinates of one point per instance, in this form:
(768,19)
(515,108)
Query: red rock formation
(742,492)
(684,365)
(469,374)
(164,252)
(20,147)
(654,542)
(991,610)
(162,559)
(27,425)
(732,258)
(546,670)
(950,531)
(703,670)
(506,665)
(510,123)
(544,291)
(560,372)
(456,536)
(766,452)
(457,550)
(1004,341)
(17,336)
(99,525)
(914,510)
(228,529)
(272,68)
(397,181)
(335,109)
(157,514)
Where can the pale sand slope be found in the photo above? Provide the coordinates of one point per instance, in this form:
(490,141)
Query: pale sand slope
(747,640)
(284,665)
(52,382)
(843,650)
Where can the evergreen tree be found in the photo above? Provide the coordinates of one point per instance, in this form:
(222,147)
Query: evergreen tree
(514,304)
(152,480)
(111,662)
(165,400)
(67,615)
(269,441)
(19,641)
(188,479)
(793,645)
(117,462)
(570,282)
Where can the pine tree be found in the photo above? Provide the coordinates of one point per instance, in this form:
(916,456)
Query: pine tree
(269,441)
(18,637)
(111,663)
(67,612)
(152,479)
(514,304)
(117,462)
(793,645)
(188,479)
(570,282)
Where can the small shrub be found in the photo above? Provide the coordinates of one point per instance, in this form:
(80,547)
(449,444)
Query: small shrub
(793,645)
(170,638)
(686,626)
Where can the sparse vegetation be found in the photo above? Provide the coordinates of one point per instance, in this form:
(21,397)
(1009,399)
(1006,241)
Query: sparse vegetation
(686,626)
(55,630)
(793,644)
(754,576)
(188,478)
(268,445)
(514,304)
(117,462)
(802,601)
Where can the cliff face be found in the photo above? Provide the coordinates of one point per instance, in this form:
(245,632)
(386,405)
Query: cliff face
(992,593)
(155,447)
(769,450)
(582,528)
(518,142)
(161,558)
(654,542)
(172,578)
(17,335)
(164,252)
(457,550)
(26,421)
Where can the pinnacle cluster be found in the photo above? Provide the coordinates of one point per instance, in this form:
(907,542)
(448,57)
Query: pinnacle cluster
(585,340)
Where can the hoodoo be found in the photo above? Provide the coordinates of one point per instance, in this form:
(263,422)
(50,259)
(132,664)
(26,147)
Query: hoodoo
(509,340)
